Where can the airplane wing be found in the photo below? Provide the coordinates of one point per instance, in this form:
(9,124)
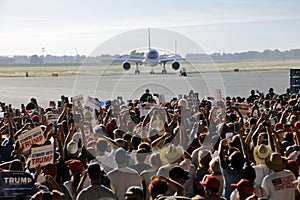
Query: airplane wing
(170,59)
(135,60)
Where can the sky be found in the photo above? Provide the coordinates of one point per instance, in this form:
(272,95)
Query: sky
(63,26)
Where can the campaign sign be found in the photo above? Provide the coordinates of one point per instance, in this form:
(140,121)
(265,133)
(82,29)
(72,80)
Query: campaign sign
(31,137)
(42,155)
(78,100)
(16,183)
(52,118)
(244,109)
(92,103)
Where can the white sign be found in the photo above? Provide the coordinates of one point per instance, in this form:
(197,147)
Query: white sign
(92,103)
(42,156)
(78,99)
(52,118)
(31,137)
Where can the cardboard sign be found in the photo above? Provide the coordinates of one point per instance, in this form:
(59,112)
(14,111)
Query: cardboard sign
(92,103)
(78,100)
(145,108)
(42,156)
(52,118)
(244,109)
(34,136)
(16,183)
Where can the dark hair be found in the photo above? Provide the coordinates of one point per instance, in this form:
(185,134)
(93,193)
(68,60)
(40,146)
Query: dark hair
(136,140)
(249,173)
(157,187)
(94,171)
(101,145)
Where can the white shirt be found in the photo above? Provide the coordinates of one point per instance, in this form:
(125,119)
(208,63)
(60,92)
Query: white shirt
(279,185)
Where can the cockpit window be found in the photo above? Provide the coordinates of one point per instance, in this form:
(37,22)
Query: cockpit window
(152,54)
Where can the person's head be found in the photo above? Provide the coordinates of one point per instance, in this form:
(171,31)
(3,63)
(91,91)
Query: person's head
(204,157)
(134,193)
(157,187)
(211,185)
(261,152)
(50,169)
(147,90)
(249,173)
(141,154)
(101,145)
(237,160)
(146,146)
(118,133)
(135,141)
(121,156)
(244,187)
(155,160)
(16,165)
(214,166)
(275,162)
(95,172)
(75,166)
(179,175)
(171,154)
(293,167)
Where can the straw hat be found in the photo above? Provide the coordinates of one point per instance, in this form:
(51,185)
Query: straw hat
(276,162)
(261,152)
(170,153)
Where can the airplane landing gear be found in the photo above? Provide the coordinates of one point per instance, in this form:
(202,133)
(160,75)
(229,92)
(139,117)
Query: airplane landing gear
(164,71)
(152,71)
(137,71)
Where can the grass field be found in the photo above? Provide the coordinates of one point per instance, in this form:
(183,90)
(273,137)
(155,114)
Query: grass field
(63,70)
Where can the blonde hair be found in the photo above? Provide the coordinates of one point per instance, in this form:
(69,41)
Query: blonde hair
(214,165)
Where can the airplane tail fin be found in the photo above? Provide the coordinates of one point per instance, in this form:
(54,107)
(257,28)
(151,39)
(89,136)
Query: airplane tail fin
(149,44)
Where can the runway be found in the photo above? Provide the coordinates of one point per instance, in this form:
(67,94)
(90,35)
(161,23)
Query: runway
(20,90)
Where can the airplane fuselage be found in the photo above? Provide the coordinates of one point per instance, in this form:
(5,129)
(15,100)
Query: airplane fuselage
(151,58)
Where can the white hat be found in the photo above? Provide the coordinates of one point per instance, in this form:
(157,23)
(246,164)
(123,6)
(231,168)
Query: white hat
(170,153)
(183,103)
(72,147)
(77,136)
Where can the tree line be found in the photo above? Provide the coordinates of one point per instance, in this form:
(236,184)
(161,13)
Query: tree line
(266,55)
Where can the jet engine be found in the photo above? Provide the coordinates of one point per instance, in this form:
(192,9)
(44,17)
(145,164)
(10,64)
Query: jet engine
(175,65)
(126,65)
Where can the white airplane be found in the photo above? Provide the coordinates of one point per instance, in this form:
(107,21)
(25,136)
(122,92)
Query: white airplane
(152,58)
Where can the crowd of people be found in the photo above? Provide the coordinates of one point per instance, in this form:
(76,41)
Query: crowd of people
(187,147)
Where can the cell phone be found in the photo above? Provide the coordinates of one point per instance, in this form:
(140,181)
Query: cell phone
(54,129)
(236,127)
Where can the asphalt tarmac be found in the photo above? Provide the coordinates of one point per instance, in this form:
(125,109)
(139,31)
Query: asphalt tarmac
(19,90)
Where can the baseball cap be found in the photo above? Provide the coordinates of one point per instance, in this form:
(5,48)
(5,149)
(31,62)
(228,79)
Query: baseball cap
(211,181)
